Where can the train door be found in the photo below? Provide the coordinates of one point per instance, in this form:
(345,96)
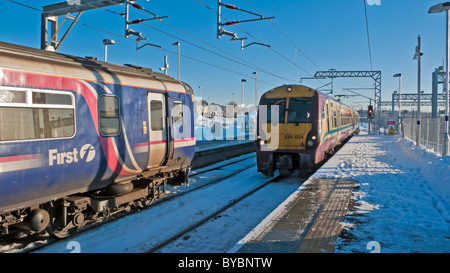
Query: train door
(157,129)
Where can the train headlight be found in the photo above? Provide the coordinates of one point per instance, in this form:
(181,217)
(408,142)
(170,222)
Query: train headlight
(312,140)
(261,142)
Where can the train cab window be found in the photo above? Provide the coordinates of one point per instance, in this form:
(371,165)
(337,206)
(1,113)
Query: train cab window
(156,115)
(108,107)
(178,112)
(281,103)
(300,110)
(24,118)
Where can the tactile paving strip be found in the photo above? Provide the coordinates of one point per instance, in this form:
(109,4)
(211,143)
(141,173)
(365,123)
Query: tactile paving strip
(311,223)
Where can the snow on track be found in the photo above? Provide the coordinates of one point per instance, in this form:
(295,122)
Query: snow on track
(140,231)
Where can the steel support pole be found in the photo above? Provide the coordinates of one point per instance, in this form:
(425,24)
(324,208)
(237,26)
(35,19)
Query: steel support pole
(445,143)
(419,60)
(179,60)
(393,104)
(242,94)
(106,53)
(256,88)
(400,121)
(178,44)
(218,19)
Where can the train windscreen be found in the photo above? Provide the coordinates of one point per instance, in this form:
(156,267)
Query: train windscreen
(281,103)
(300,110)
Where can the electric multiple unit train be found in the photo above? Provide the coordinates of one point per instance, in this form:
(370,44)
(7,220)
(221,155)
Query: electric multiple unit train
(82,139)
(308,127)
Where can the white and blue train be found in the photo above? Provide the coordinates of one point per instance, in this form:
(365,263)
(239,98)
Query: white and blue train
(82,139)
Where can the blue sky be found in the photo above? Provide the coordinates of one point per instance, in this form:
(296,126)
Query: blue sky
(331,33)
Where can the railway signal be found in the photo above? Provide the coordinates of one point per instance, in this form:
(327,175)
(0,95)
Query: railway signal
(370,112)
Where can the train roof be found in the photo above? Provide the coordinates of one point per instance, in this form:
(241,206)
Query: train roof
(83,68)
(279,89)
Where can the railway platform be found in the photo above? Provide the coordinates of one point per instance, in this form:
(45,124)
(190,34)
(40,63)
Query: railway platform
(377,178)
(210,152)
(310,220)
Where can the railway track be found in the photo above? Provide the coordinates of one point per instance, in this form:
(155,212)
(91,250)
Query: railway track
(210,216)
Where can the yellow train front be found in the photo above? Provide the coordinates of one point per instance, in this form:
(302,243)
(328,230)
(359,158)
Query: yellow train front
(298,127)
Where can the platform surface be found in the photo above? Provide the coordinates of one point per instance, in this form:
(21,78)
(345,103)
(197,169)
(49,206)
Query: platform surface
(311,219)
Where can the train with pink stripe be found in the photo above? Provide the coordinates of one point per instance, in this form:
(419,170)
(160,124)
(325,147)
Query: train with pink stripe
(82,139)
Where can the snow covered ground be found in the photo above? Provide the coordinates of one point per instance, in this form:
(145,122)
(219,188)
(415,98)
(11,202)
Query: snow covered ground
(140,231)
(219,128)
(402,202)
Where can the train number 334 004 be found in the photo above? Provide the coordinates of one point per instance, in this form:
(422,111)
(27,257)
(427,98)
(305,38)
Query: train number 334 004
(289,136)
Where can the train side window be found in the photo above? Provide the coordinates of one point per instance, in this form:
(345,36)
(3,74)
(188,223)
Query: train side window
(327,116)
(11,96)
(48,98)
(178,112)
(156,115)
(109,115)
(334,119)
(23,118)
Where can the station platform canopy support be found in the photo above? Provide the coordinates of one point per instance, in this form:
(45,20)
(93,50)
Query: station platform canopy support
(221,32)
(438,77)
(50,14)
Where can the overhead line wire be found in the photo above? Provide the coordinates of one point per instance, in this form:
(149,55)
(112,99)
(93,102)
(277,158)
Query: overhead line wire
(301,51)
(281,55)
(243,62)
(368,36)
(112,33)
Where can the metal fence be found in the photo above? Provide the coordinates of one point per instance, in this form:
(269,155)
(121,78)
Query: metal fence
(432,132)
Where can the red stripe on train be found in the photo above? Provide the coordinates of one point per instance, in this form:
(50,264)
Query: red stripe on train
(19,158)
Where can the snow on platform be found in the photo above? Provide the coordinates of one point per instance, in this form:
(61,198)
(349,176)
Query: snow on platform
(400,203)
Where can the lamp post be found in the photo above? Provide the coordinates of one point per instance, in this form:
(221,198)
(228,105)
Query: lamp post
(400,122)
(107,42)
(418,56)
(166,65)
(242,93)
(435,9)
(256,87)
(178,45)
(393,103)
